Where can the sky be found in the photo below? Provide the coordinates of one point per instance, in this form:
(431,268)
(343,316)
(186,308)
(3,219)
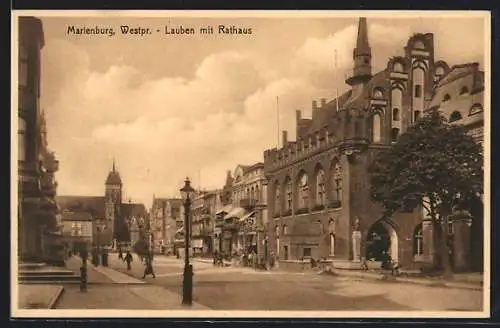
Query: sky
(167,107)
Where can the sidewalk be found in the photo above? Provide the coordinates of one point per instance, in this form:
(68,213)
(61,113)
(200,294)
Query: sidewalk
(93,276)
(459,281)
(110,289)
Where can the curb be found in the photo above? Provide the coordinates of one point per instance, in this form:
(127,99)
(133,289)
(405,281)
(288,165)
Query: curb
(53,302)
(407,281)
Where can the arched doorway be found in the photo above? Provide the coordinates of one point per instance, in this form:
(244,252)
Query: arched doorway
(381,239)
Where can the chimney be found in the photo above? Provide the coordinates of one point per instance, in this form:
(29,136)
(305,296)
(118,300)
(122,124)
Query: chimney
(284,137)
(314,104)
(298,115)
(323,102)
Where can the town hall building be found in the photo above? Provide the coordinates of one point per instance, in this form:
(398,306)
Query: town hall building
(318,185)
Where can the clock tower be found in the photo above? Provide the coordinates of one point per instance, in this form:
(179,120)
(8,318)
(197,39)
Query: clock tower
(113,197)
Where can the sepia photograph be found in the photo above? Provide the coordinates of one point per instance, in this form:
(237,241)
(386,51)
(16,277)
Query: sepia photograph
(250,164)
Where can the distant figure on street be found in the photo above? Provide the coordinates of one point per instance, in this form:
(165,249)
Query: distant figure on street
(148,266)
(216,255)
(128,258)
(120,254)
(364,264)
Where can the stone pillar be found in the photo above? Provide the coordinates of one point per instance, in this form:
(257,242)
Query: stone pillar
(332,245)
(356,246)
(461,244)
(429,251)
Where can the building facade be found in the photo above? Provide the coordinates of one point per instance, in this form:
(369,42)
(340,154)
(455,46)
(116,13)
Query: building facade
(203,222)
(77,227)
(319,185)
(116,221)
(37,209)
(242,216)
(165,213)
(459,96)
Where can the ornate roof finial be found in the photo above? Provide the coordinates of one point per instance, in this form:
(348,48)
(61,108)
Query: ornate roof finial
(114,170)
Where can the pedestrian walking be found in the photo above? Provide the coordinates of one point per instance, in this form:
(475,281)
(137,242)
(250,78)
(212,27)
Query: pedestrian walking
(128,258)
(120,254)
(148,267)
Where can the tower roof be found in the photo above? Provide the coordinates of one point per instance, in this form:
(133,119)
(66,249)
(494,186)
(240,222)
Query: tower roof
(362,45)
(113,177)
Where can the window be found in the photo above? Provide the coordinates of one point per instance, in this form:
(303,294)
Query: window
(476,108)
(320,187)
(357,129)
(451,228)
(376,128)
(289,194)
(394,134)
(377,94)
(418,91)
(446,97)
(464,90)
(439,71)
(285,230)
(455,116)
(21,134)
(398,67)
(416,115)
(285,252)
(337,182)
(277,231)
(303,191)
(395,114)
(307,252)
(419,45)
(23,66)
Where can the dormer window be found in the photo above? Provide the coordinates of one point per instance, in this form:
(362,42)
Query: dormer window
(464,90)
(455,116)
(476,108)
(398,67)
(439,71)
(378,94)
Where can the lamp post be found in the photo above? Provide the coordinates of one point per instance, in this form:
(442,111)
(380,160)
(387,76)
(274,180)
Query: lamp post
(187,284)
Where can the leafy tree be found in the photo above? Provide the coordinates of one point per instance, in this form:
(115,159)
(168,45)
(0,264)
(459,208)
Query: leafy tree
(434,165)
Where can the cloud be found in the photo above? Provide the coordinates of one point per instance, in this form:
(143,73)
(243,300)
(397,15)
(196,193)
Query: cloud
(161,129)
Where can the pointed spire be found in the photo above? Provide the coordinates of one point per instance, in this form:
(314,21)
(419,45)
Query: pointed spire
(362,57)
(362,45)
(114,170)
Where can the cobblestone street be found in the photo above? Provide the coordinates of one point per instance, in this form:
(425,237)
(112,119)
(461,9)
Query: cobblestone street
(246,289)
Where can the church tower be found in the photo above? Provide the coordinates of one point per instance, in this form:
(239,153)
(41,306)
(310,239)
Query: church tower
(113,195)
(362,57)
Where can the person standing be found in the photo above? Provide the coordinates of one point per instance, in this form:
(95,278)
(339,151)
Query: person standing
(149,266)
(128,258)
(120,254)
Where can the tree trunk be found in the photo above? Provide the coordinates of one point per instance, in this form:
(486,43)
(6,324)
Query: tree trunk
(442,248)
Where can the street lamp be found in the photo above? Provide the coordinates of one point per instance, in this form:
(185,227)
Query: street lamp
(187,284)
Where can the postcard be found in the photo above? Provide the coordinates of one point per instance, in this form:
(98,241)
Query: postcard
(316,164)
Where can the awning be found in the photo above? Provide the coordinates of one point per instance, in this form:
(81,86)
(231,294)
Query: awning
(237,212)
(225,209)
(247,216)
